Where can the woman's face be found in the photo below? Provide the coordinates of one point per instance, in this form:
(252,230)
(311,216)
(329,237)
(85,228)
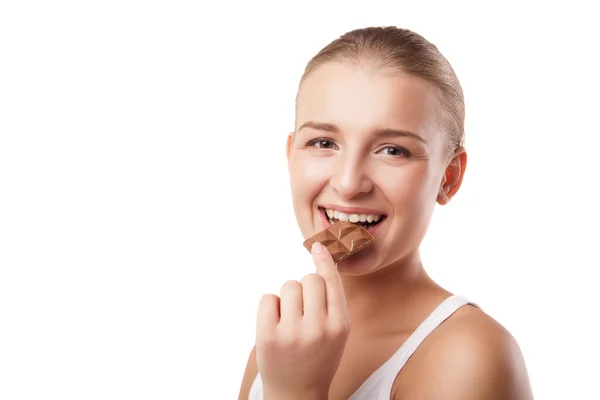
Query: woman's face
(366,147)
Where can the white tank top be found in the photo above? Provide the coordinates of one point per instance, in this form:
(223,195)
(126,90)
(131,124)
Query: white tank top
(379,385)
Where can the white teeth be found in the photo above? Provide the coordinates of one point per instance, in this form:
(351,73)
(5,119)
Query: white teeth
(354,218)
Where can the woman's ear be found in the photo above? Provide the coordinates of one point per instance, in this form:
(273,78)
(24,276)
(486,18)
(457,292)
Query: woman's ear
(289,145)
(453,176)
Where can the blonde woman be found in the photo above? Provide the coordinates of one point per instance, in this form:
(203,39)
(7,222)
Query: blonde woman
(378,141)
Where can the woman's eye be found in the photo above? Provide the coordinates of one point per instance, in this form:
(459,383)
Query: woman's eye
(396,151)
(323,144)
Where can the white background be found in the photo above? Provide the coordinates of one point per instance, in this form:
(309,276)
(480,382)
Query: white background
(140,141)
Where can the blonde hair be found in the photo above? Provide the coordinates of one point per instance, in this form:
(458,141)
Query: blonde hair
(401,50)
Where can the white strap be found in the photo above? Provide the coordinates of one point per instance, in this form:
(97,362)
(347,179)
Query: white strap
(398,360)
(256,389)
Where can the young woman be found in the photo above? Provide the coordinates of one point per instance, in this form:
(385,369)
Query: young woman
(378,141)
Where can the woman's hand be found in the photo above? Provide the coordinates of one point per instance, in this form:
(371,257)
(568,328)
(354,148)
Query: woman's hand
(301,335)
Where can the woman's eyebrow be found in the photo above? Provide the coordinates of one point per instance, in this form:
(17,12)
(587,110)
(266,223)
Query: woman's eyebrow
(379,133)
(320,126)
(392,133)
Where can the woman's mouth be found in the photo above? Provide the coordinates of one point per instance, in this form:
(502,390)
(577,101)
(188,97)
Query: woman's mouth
(367,221)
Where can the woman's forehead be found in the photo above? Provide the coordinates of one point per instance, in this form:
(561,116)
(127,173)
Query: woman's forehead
(363,98)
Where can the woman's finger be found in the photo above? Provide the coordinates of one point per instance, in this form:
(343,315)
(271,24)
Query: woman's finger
(268,314)
(291,302)
(336,298)
(314,296)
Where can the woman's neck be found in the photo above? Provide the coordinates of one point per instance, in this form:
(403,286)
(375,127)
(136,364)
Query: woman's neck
(392,298)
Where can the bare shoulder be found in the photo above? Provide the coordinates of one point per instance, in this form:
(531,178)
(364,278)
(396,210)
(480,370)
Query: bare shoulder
(249,375)
(469,356)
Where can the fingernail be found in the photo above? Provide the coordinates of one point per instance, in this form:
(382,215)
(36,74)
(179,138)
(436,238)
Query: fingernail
(317,248)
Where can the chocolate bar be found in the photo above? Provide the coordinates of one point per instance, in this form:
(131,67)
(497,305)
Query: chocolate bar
(342,239)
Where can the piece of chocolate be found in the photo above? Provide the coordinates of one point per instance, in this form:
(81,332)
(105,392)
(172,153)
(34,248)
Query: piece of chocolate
(342,239)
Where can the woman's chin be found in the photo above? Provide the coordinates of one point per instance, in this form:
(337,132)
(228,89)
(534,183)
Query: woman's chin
(360,263)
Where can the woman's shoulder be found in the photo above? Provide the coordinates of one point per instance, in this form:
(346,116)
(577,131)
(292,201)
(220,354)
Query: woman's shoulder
(470,356)
(250,374)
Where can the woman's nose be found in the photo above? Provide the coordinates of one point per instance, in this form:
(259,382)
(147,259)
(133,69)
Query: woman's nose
(350,179)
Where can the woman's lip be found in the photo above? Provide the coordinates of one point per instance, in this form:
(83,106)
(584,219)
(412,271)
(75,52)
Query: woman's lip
(372,230)
(352,210)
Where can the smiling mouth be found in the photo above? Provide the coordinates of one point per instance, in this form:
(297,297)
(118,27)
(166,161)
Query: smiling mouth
(367,221)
